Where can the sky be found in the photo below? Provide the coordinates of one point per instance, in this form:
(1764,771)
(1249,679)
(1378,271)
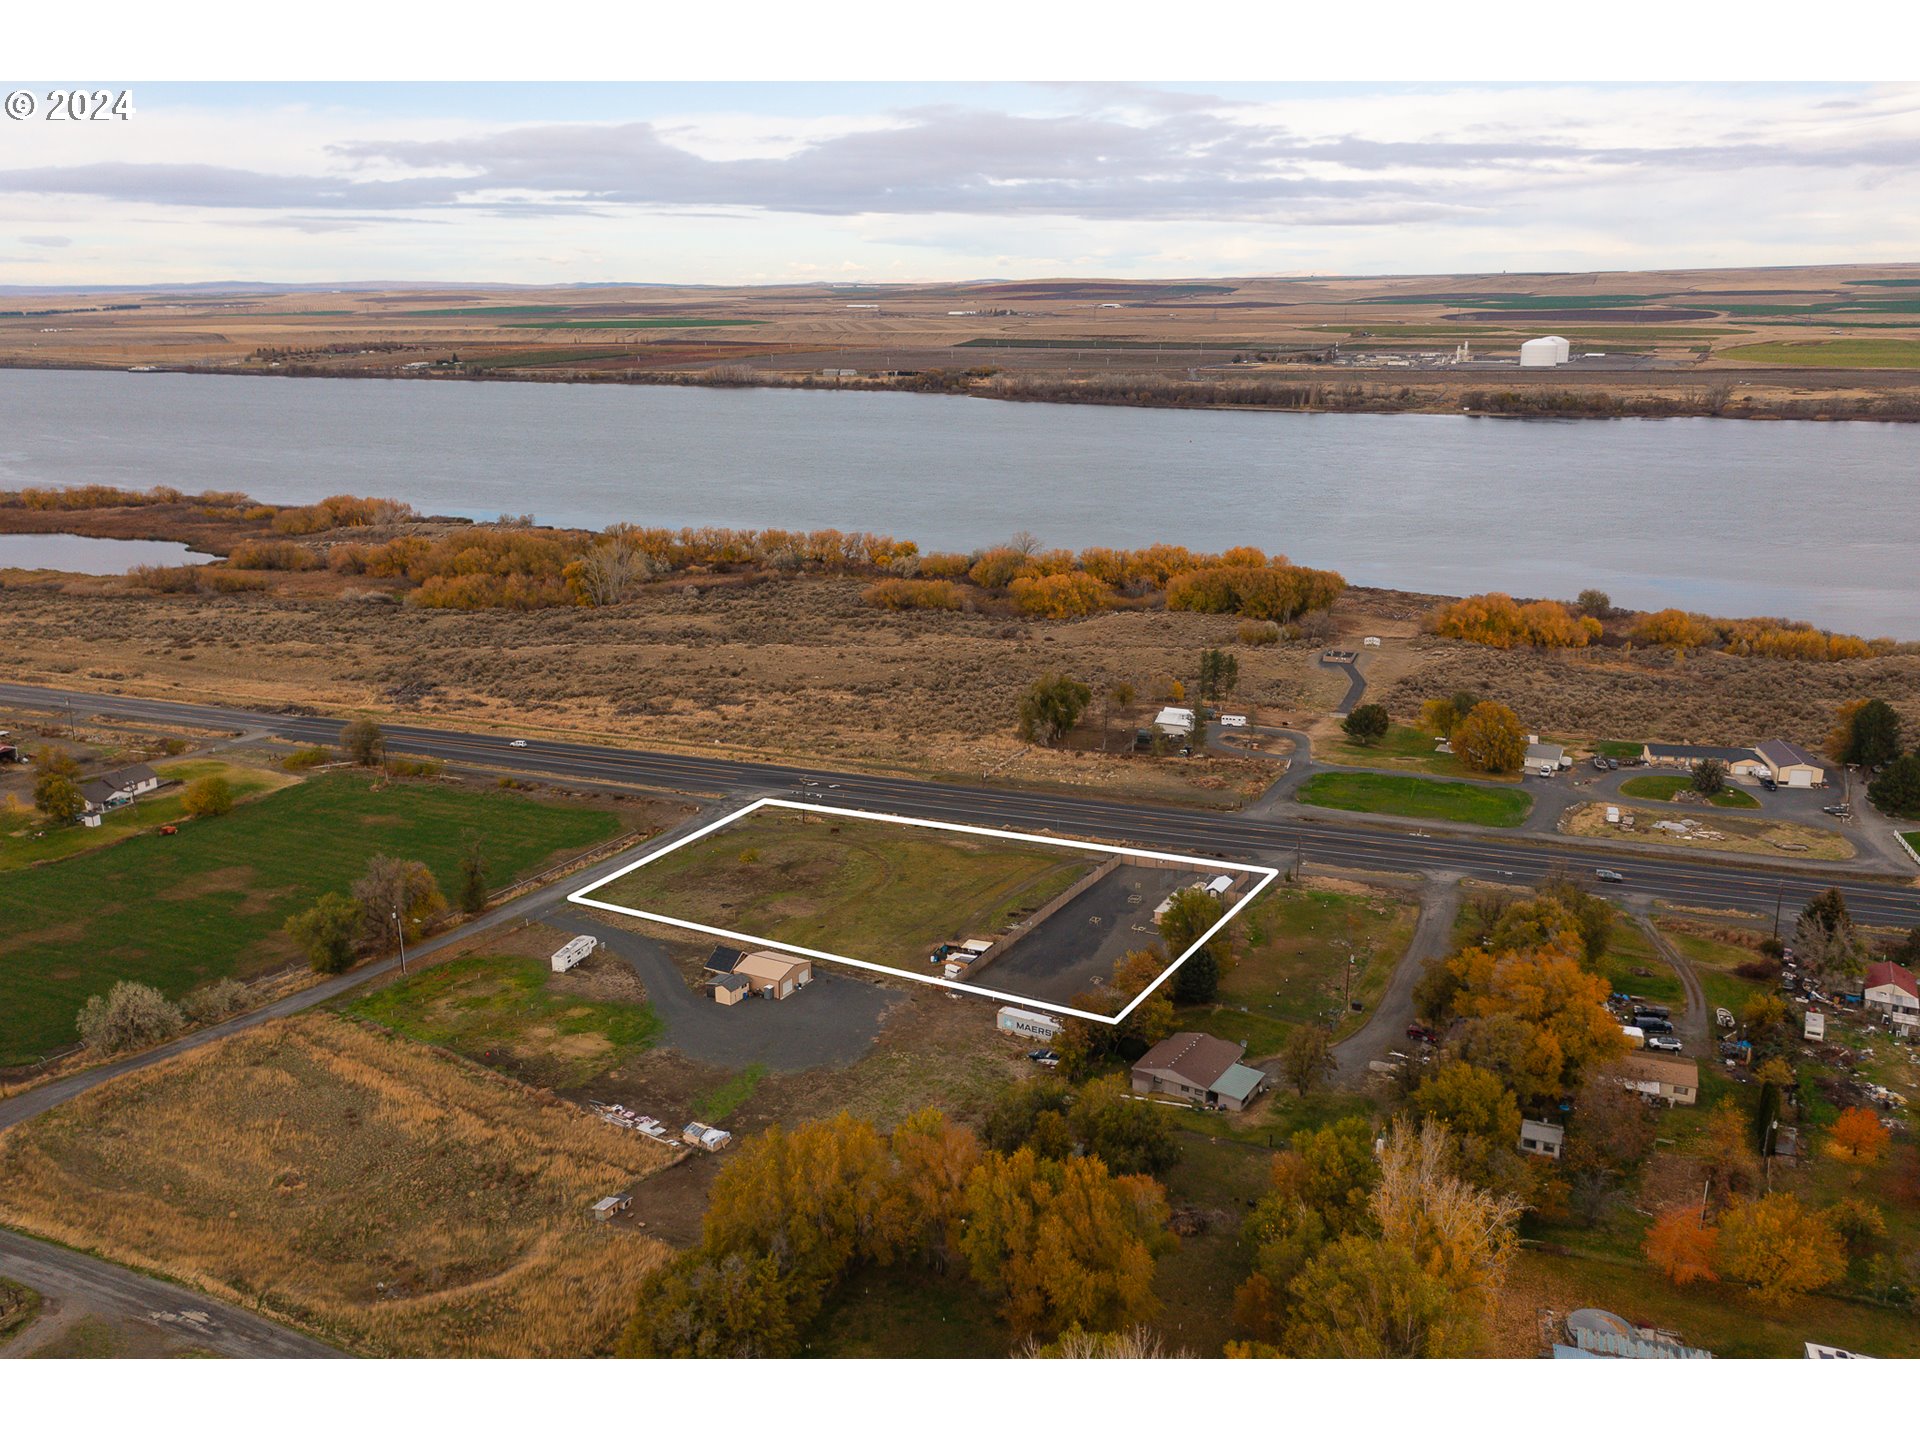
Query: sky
(884,182)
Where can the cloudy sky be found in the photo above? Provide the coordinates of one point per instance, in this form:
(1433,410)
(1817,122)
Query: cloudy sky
(784,182)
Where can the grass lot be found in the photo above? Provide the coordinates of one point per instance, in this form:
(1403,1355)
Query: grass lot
(1418,798)
(720,1102)
(1714,960)
(1291,961)
(1738,835)
(513,1013)
(34,840)
(876,891)
(1629,950)
(1886,353)
(179,910)
(1665,787)
(1619,749)
(1721,1318)
(386,1196)
(1403,747)
(18,1306)
(1912,837)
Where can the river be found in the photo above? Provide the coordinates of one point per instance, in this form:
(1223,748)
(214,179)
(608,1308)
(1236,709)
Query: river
(1815,521)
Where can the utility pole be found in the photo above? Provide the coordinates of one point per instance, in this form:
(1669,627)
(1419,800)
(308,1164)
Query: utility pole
(400,930)
(1779,897)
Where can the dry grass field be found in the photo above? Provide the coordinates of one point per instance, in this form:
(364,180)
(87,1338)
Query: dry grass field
(1708,341)
(1734,834)
(382,1194)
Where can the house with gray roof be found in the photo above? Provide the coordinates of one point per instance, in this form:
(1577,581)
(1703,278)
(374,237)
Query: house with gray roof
(1791,766)
(118,787)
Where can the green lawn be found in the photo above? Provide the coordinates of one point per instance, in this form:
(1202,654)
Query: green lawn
(1619,749)
(1291,960)
(866,888)
(176,911)
(36,840)
(1417,797)
(1714,961)
(511,1012)
(1403,747)
(1912,837)
(1665,787)
(1629,949)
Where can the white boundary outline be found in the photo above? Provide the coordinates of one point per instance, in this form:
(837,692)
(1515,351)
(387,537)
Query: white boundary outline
(1266,873)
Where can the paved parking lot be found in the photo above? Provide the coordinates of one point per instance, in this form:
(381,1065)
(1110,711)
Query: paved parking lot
(1083,941)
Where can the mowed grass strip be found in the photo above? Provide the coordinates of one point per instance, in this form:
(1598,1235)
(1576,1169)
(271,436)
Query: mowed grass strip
(394,1199)
(513,1013)
(1665,787)
(1418,798)
(178,910)
(1875,354)
(868,889)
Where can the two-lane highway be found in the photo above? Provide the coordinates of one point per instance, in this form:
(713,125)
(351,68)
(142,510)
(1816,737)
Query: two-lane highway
(1728,882)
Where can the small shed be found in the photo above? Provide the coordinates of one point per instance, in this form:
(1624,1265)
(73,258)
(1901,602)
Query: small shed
(1174,720)
(611,1206)
(707,1137)
(728,989)
(1543,1138)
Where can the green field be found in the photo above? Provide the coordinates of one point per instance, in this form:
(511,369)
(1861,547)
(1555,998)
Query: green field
(1912,837)
(1290,964)
(1874,354)
(511,1012)
(650,322)
(36,840)
(1629,949)
(1619,749)
(866,888)
(1417,797)
(721,1101)
(1665,787)
(1403,747)
(176,911)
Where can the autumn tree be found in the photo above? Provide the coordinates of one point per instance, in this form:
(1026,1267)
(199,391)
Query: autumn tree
(1367,724)
(1489,739)
(392,891)
(1317,1192)
(208,796)
(131,1016)
(1052,706)
(1777,1247)
(1611,1129)
(326,932)
(1867,732)
(1708,777)
(364,742)
(1860,1224)
(1307,1057)
(58,798)
(1482,1122)
(705,1307)
(1732,1163)
(473,873)
(1461,1233)
(1366,1298)
(1151,1021)
(1681,1246)
(1032,1114)
(1857,1136)
(1128,1137)
(1563,1026)
(1190,914)
(1061,1243)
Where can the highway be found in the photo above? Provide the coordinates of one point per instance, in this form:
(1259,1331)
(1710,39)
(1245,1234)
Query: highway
(1731,882)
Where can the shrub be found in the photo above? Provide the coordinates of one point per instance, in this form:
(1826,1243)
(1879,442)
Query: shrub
(131,1016)
(994,569)
(1276,591)
(1502,622)
(230,582)
(1367,723)
(1051,707)
(307,757)
(166,579)
(913,595)
(206,797)
(325,930)
(1058,596)
(944,566)
(1258,632)
(215,1001)
(272,555)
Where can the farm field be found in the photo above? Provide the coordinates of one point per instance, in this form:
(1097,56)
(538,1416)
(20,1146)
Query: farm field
(1291,959)
(1737,835)
(386,1197)
(29,840)
(180,910)
(513,1013)
(1665,787)
(1858,353)
(865,888)
(1418,798)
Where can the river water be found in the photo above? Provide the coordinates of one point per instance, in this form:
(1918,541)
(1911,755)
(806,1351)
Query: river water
(1809,520)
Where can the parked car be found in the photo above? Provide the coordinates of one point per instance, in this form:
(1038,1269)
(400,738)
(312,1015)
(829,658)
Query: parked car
(1599,762)
(1663,1042)
(1233,722)
(1767,782)
(1047,1058)
(1421,1032)
(1612,764)
(1652,1028)
(1842,810)
(1611,877)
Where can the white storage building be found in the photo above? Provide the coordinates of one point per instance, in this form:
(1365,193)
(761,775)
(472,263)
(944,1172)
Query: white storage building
(1545,352)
